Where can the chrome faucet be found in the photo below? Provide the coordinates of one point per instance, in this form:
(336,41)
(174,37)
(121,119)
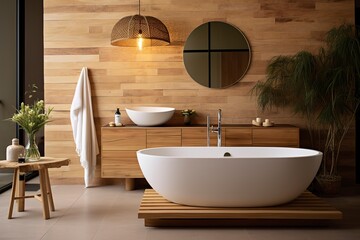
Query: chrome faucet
(217,130)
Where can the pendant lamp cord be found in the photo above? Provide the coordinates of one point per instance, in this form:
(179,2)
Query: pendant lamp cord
(139,7)
(140,31)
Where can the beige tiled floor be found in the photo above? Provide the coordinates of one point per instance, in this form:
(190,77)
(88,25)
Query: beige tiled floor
(109,212)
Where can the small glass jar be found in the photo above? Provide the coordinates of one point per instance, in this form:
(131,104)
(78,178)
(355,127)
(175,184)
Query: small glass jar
(21,158)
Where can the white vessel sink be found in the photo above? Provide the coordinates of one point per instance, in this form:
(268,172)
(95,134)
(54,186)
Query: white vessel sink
(150,116)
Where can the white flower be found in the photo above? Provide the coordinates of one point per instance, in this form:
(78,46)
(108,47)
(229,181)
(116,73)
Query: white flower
(32,117)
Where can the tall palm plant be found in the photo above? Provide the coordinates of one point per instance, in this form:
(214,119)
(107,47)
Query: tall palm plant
(290,84)
(339,88)
(323,88)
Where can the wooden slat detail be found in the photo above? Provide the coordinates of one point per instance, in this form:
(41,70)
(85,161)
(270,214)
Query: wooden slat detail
(306,207)
(71,51)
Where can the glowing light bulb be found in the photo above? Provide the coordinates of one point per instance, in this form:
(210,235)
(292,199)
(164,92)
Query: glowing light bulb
(140,42)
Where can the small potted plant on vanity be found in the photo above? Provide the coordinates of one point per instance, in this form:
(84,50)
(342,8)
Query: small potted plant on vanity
(324,89)
(187,113)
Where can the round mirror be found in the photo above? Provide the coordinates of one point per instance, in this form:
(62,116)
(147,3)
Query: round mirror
(216,55)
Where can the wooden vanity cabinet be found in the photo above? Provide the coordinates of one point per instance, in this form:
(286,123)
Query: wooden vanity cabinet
(119,144)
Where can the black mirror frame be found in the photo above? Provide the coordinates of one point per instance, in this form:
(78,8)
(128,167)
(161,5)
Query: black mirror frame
(207,49)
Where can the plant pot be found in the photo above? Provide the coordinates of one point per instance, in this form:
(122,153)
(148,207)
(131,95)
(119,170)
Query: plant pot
(187,120)
(327,185)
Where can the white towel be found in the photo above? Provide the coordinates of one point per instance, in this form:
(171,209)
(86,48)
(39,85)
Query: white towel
(83,126)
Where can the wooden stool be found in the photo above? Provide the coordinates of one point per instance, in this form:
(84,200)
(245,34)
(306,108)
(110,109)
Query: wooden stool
(18,187)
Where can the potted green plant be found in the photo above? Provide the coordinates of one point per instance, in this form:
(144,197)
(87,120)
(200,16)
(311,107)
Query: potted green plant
(187,115)
(324,89)
(32,118)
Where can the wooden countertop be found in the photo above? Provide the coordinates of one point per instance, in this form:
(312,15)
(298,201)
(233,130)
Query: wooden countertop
(202,125)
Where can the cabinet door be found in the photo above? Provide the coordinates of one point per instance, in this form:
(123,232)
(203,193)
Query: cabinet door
(277,137)
(120,164)
(197,136)
(118,152)
(238,137)
(163,137)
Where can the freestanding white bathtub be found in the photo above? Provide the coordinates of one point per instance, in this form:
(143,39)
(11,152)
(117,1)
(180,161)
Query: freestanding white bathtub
(250,177)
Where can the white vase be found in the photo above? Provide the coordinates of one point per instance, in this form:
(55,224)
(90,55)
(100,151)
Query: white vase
(14,150)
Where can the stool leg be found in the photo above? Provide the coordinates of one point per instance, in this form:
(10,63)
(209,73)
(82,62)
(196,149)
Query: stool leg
(49,192)
(44,197)
(21,191)
(13,191)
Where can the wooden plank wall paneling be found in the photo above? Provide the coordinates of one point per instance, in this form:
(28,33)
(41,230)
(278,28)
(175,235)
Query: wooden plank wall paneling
(77,34)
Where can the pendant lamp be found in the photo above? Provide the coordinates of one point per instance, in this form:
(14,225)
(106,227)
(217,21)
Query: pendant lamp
(139,31)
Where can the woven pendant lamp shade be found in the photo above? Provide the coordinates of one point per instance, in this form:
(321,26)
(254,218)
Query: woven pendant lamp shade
(126,31)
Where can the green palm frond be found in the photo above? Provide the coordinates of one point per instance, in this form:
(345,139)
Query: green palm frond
(324,87)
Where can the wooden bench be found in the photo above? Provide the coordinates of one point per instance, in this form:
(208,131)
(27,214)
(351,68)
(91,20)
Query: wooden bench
(306,210)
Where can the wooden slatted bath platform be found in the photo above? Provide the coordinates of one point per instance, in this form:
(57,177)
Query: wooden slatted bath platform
(306,210)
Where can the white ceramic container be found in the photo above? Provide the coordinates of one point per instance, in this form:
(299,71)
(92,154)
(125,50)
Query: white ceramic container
(150,116)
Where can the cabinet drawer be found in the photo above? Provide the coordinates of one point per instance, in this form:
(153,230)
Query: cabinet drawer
(123,139)
(198,137)
(118,154)
(164,132)
(120,164)
(238,137)
(163,137)
(278,137)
